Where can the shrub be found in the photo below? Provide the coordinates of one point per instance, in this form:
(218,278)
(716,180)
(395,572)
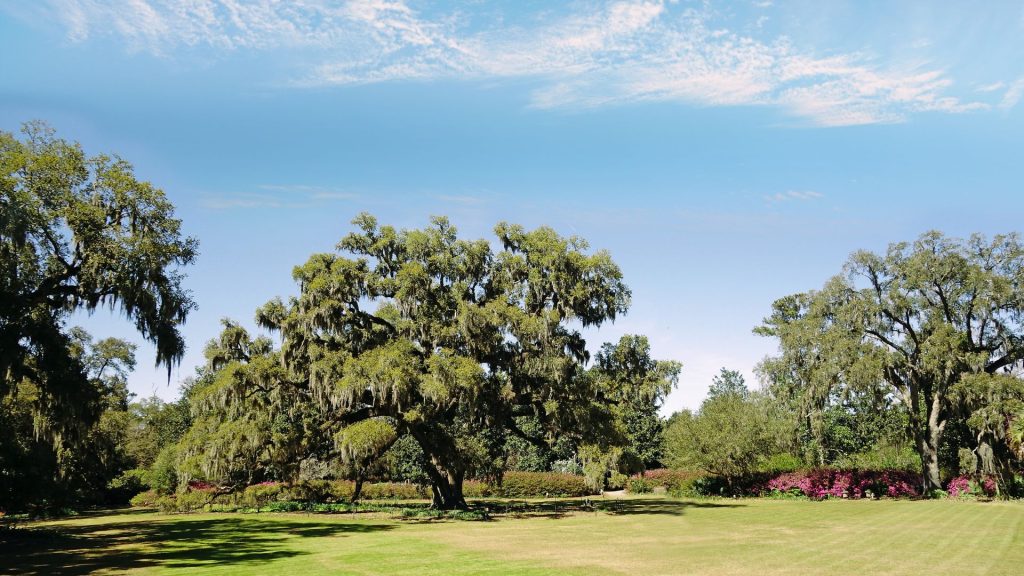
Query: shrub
(163,475)
(783,462)
(476,489)
(287,506)
(259,495)
(126,485)
(167,504)
(675,482)
(471,515)
(824,483)
(968,487)
(541,485)
(340,490)
(616,481)
(639,485)
(191,500)
(307,491)
(147,499)
(393,491)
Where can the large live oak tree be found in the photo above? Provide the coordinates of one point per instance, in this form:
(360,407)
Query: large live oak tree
(420,333)
(929,321)
(79,232)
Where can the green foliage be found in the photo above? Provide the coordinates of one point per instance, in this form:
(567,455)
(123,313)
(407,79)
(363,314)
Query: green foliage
(259,495)
(675,482)
(145,499)
(881,457)
(728,383)
(525,456)
(781,462)
(163,476)
(405,462)
(465,515)
(915,322)
(251,421)
(541,485)
(128,484)
(993,404)
(639,485)
(186,500)
(731,435)
(638,385)
(76,233)
(365,440)
(427,336)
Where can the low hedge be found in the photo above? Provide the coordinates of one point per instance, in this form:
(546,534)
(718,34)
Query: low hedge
(541,485)
(278,496)
(680,483)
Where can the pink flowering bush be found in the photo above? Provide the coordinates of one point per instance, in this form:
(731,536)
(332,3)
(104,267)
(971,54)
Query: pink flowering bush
(967,487)
(824,483)
(959,487)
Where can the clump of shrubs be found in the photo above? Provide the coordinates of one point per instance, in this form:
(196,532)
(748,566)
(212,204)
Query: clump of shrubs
(540,485)
(146,499)
(824,483)
(818,484)
(639,485)
(679,483)
(965,487)
(336,495)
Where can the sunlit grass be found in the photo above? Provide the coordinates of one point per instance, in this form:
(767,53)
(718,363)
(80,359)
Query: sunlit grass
(634,536)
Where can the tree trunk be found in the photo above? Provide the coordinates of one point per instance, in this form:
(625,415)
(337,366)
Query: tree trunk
(929,451)
(446,491)
(358,490)
(928,435)
(445,474)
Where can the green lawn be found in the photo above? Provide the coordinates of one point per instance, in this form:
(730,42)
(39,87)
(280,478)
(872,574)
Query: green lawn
(635,536)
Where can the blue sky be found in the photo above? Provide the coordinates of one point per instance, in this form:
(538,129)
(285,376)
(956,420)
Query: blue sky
(727,154)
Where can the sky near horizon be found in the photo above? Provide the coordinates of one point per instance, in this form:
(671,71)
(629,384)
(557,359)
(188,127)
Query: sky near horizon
(725,153)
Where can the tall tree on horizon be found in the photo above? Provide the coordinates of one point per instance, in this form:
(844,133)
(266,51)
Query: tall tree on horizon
(929,321)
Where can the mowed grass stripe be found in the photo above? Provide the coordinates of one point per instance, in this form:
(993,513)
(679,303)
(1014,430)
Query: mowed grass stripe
(649,535)
(794,536)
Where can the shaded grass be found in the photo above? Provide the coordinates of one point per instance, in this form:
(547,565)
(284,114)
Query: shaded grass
(572,536)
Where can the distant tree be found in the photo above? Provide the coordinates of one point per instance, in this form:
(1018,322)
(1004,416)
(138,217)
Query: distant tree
(920,320)
(731,435)
(638,385)
(79,232)
(36,472)
(728,382)
(252,421)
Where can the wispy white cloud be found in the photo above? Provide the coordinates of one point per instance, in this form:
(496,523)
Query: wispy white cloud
(276,196)
(791,195)
(1013,95)
(993,87)
(615,52)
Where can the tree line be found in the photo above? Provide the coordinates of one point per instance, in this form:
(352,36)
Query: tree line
(420,355)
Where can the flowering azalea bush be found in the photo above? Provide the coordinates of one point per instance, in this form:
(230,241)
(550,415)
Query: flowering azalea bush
(827,483)
(967,487)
